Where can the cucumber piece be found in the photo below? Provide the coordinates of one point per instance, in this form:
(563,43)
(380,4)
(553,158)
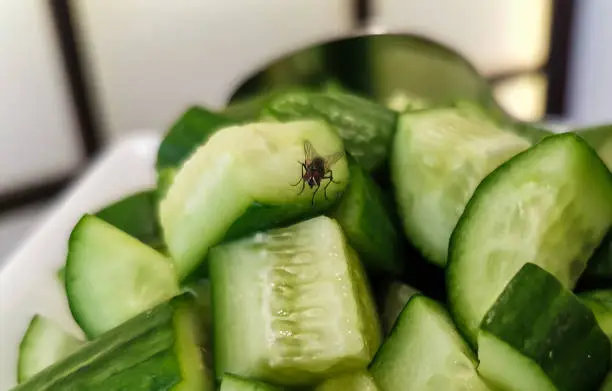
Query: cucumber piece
(136,215)
(362,214)
(244,179)
(550,205)
(425,353)
(598,273)
(192,129)
(365,127)
(438,158)
(600,302)
(538,336)
(111,276)
(396,298)
(607,384)
(402,101)
(43,344)
(292,305)
(352,381)
(600,139)
(156,350)
(530,131)
(235,383)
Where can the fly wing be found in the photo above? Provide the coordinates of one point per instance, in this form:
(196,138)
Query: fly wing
(330,160)
(309,152)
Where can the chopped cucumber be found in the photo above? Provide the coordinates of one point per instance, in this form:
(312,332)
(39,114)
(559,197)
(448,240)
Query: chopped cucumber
(550,205)
(244,179)
(43,344)
(538,336)
(438,158)
(156,350)
(364,219)
(351,381)
(402,102)
(600,302)
(425,353)
(111,276)
(136,215)
(395,300)
(235,383)
(598,273)
(193,128)
(291,306)
(365,127)
(600,139)
(607,384)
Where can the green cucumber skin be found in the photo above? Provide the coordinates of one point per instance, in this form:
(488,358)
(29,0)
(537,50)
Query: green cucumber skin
(193,128)
(597,167)
(598,273)
(600,139)
(365,127)
(136,215)
(362,214)
(556,331)
(600,302)
(138,354)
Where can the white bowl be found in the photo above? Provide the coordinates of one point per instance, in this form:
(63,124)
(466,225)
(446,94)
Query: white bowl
(28,282)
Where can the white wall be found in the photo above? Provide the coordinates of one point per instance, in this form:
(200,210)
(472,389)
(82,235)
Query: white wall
(590,90)
(152,58)
(37,126)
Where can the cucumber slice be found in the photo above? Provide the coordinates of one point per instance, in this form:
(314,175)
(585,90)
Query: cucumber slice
(111,276)
(607,384)
(365,127)
(600,302)
(550,205)
(156,350)
(600,139)
(241,181)
(235,383)
(538,336)
(136,215)
(438,158)
(395,300)
(291,306)
(43,344)
(425,353)
(192,129)
(598,273)
(362,214)
(353,381)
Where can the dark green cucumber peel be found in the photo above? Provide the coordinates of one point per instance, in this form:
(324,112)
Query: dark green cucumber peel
(362,214)
(365,127)
(136,215)
(598,273)
(547,324)
(141,354)
(600,139)
(193,128)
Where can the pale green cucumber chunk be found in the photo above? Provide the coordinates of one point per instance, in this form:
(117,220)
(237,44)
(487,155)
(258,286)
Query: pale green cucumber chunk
(292,306)
(425,352)
(112,276)
(240,170)
(439,157)
(600,302)
(550,205)
(538,336)
(351,381)
(235,383)
(43,344)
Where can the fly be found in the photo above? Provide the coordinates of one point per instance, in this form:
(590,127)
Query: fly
(316,168)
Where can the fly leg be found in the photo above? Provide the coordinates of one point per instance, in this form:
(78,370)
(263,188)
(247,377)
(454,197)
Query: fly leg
(330,178)
(314,194)
(301,179)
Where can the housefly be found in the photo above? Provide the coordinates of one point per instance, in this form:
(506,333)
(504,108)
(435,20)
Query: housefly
(316,168)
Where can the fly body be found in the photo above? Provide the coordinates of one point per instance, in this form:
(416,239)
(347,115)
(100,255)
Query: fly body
(316,169)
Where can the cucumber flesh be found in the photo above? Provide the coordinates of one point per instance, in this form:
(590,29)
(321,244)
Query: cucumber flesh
(111,276)
(291,306)
(600,302)
(353,381)
(245,174)
(235,383)
(425,353)
(439,157)
(362,214)
(366,127)
(538,336)
(600,139)
(43,344)
(550,205)
(395,300)
(156,350)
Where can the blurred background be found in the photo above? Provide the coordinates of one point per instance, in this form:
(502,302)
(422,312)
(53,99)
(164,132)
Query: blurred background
(78,75)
